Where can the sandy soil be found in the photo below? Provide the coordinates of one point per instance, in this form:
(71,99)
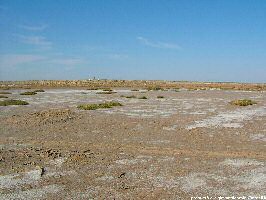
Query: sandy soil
(189,143)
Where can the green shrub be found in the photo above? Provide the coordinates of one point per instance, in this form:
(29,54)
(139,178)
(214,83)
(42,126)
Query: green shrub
(107,89)
(99,106)
(143,97)
(5,92)
(13,102)
(39,90)
(160,97)
(106,92)
(2,96)
(28,93)
(156,88)
(134,90)
(129,97)
(243,102)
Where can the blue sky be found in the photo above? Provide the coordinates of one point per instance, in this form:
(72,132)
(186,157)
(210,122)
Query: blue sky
(208,40)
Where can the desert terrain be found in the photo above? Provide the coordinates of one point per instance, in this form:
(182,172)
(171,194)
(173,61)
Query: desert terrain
(182,140)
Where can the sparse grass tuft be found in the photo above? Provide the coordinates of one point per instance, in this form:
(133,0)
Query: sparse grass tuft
(107,89)
(28,93)
(13,102)
(110,92)
(93,89)
(134,90)
(99,106)
(39,90)
(129,97)
(156,88)
(243,102)
(5,92)
(143,97)
(2,96)
(160,97)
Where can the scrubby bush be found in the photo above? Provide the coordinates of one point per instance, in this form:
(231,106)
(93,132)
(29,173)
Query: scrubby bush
(28,93)
(243,102)
(13,102)
(129,97)
(106,92)
(5,92)
(143,97)
(2,96)
(160,97)
(39,90)
(98,106)
(107,89)
(156,88)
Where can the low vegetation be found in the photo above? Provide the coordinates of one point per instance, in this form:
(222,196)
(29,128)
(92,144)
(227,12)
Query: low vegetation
(160,97)
(243,102)
(110,92)
(5,92)
(28,93)
(129,97)
(39,90)
(13,102)
(2,96)
(134,90)
(107,89)
(156,88)
(143,97)
(99,106)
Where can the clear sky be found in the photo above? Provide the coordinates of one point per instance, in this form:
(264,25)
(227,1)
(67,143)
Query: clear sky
(200,40)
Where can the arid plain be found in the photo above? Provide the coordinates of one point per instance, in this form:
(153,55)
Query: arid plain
(176,143)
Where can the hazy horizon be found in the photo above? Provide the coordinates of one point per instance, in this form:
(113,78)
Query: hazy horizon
(210,41)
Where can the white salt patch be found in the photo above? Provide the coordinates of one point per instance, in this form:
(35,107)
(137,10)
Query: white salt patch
(14,180)
(197,113)
(261,137)
(171,128)
(139,159)
(105,178)
(58,162)
(166,159)
(38,193)
(254,179)
(240,162)
(232,125)
(164,182)
(129,162)
(192,182)
(232,119)
(158,142)
(58,174)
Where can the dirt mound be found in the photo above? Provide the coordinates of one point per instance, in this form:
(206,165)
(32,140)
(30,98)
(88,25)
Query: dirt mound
(52,116)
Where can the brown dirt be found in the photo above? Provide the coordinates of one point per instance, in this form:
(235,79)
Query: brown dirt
(190,143)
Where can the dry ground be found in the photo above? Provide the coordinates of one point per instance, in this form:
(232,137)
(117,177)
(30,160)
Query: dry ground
(189,143)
